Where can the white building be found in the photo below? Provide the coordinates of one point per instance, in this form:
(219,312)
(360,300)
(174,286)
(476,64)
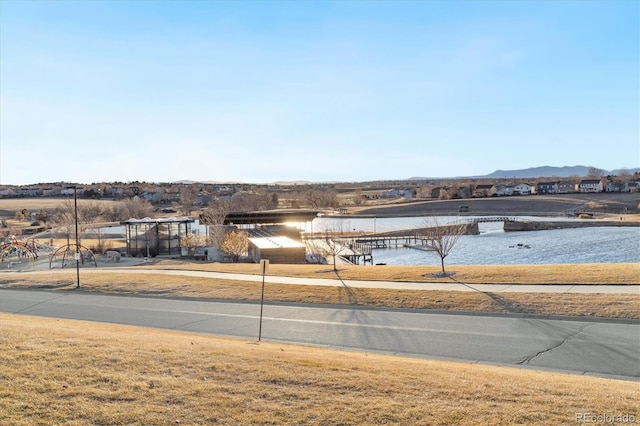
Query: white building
(590,185)
(522,189)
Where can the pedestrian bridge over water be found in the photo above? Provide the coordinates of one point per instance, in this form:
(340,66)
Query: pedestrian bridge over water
(490,219)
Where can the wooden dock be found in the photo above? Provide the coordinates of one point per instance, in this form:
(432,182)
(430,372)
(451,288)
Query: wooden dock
(354,252)
(358,247)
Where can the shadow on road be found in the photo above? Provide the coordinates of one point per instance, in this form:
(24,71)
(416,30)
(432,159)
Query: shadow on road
(509,305)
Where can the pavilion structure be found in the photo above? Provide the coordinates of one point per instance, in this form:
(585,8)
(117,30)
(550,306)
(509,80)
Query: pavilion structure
(152,237)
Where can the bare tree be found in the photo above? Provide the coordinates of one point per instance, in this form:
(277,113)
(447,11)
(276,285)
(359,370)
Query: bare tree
(42,216)
(187,200)
(117,212)
(129,208)
(275,200)
(595,173)
(236,243)
(358,197)
(441,238)
(138,208)
(330,244)
(246,201)
(192,241)
(151,241)
(90,212)
(63,220)
(214,216)
(93,213)
(318,198)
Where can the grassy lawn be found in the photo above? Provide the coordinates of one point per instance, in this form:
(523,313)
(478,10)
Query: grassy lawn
(80,373)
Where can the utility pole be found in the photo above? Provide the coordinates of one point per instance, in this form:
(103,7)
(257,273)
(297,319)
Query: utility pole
(75,206)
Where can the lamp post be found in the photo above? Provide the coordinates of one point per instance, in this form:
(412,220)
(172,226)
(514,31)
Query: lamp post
(75,207)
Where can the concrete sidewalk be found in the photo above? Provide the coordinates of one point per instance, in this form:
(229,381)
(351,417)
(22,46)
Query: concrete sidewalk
(334,282)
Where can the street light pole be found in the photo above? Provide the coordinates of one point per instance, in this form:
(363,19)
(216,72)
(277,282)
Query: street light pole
(75,206)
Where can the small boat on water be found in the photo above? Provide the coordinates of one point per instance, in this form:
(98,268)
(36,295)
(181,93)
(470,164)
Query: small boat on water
(520,245)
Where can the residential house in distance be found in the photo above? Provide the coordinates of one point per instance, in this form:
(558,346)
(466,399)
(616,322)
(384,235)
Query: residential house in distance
(152,197)
(502,190)
(523,189)
(132,191)
(566,187)
(49,192)
(9,192)
(464,192)
(173,196)
(544,188)
(33,191)
(590,185)
(69,191)
(437,191)
(612,186)
(116,191)
(203,198)
(399,193)
(483,190)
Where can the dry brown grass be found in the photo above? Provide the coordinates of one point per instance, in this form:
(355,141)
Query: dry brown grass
(80,373)
(18,224)
(37,203)
(625,217)
(598,305)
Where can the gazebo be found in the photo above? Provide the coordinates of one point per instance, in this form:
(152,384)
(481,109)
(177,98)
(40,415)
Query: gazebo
(152,237)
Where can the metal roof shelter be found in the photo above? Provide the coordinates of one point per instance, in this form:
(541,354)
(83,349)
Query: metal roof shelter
(277,249)
(270,217)
(151,237)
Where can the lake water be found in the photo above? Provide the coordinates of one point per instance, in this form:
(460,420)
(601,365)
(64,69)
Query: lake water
(492,246)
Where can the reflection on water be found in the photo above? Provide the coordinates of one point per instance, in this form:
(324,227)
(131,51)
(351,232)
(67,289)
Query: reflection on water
(492,246)
(586,245)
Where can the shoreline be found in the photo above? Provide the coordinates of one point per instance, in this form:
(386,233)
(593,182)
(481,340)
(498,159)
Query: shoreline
(512,226)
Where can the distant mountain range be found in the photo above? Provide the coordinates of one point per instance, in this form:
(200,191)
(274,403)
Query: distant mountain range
(546,171)
(530,173)
(550,171)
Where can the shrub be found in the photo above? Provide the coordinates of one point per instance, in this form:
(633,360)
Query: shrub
(102,247)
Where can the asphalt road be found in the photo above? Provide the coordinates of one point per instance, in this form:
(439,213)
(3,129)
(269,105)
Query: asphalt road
(602,348)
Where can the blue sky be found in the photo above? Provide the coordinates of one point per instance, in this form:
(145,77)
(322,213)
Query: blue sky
(261,91)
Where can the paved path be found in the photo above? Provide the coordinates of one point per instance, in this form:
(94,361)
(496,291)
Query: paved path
(492,288)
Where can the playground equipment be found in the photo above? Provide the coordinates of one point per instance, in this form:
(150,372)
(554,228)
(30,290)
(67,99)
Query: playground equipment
(14,250)
(70,253)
